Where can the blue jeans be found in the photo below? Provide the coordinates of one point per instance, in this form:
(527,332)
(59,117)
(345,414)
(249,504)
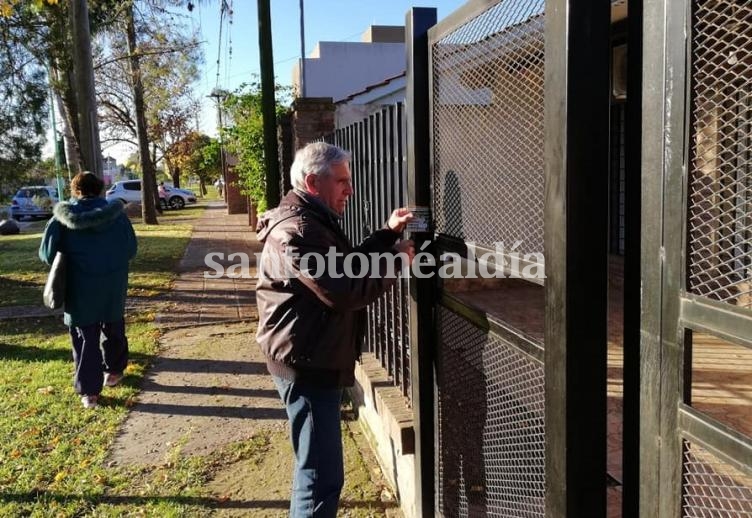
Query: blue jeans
(314,415)
(92,358)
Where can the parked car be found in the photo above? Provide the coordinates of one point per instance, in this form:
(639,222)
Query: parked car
(129,191)
(34,201)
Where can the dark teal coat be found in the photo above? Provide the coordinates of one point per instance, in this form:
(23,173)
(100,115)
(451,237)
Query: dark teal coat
(97,239)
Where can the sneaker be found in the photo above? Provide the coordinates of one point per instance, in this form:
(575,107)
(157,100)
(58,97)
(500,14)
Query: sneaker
(89,401)
(111,379)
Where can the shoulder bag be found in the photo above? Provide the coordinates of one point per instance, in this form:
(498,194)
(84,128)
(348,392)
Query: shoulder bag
(54,288)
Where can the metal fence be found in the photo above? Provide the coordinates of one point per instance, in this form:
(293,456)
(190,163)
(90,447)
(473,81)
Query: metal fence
(377,145)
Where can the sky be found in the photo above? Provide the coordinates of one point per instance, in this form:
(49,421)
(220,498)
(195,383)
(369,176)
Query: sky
(325,20)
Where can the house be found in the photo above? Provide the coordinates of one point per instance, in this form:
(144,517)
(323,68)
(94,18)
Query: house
(338,69)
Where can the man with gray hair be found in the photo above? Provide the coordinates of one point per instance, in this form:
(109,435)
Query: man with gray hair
(311,326)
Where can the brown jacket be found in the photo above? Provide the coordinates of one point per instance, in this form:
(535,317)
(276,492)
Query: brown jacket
(311,329)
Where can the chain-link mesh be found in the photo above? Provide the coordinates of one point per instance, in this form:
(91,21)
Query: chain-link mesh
(490,424)
(712,488)
(488,127)
(720,184)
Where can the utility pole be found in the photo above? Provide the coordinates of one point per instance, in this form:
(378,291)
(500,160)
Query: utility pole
(91,152)
(219,96)
(302,50)
(268,105)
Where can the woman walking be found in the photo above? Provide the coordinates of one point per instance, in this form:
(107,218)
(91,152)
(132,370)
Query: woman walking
(97,240)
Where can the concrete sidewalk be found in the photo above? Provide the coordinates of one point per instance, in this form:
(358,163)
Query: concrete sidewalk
(197,300)
(209,385)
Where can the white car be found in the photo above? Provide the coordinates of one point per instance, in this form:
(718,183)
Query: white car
(129,191)
(34,201)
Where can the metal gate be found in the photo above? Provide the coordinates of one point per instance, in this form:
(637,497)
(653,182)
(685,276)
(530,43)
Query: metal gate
(516,178)
(488,177)
(696,430)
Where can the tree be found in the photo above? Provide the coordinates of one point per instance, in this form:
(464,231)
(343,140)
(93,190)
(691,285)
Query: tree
(200,155)
(37,34)
(243,136)
(23,88)
(146,100)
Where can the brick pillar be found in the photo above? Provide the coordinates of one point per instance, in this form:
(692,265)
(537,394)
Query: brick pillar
(236,203)
(286,151)
(312,118)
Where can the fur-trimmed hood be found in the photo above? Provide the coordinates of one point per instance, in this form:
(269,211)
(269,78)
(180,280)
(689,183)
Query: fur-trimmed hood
(88,213)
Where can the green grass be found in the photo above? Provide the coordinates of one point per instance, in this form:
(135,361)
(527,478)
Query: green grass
(22,274)
(53,451)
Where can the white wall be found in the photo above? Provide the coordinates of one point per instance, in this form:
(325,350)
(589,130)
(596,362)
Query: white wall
(338,69)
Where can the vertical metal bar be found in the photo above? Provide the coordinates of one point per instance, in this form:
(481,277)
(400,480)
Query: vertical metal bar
(632,275)
(378,306)
(576,230)
(366,226)
(350,206)
(359,183)
(362,207)
(674,154)
(384,206)
(422,325)
(404,314)
(665,25)
(354,219)
(393,317)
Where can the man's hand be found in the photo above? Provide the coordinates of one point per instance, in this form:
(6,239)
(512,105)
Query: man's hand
(399,219)
(407,247)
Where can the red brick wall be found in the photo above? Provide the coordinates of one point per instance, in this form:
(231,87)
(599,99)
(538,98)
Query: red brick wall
(237,203)
(313,117)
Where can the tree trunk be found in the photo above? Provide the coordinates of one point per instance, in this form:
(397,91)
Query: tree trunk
(176,176)
(149,181)
(66,100)
(91,150)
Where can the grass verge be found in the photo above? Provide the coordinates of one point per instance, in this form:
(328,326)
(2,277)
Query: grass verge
(22,274)
(53,450)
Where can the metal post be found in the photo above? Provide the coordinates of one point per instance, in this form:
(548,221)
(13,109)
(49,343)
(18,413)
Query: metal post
(422,325)
(269,104)
(302,51)
(664,119)
(58,162)
(632,277)
(577,102)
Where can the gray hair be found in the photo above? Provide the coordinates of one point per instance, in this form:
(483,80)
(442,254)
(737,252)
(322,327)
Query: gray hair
(316,159)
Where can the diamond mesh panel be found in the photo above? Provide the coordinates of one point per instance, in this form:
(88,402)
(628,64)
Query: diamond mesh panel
(488,127)
(720,184)
(491,424)
(712,488)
